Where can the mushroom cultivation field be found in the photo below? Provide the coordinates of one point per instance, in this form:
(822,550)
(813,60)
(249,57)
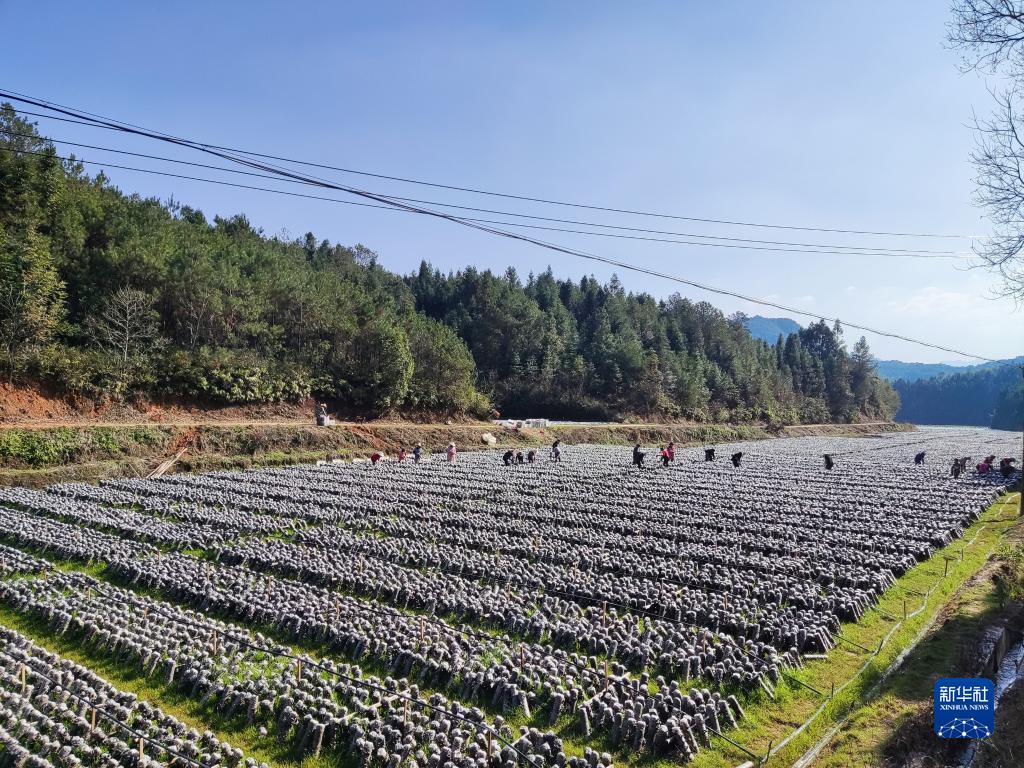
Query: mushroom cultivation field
(577,613)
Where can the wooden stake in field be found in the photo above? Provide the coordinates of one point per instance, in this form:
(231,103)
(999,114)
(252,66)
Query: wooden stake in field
(522,658)
(298,671)
(93,728)
(142,750)
(422,629)
(319,743)
(24,679)
(606,675)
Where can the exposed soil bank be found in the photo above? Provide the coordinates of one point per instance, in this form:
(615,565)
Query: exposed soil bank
(33,407)
(42,455)
(1006,676)
(1006,748)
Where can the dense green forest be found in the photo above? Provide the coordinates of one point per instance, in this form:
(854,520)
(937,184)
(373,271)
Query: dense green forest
(987,397)
(108,295)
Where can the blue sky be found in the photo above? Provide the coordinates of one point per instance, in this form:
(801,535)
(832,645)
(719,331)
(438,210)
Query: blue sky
(837,115)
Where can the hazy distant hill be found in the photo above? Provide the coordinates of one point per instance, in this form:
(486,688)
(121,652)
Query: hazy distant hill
(910,372)
(769,328)
(897,369)
(987,396)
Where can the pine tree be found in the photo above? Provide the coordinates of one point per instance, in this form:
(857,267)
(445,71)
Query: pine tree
(31,298)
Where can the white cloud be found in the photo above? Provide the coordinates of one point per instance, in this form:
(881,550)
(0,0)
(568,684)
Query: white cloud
(932,300)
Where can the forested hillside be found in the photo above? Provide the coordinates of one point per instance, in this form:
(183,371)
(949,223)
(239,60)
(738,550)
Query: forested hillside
(110,295)
(989,397)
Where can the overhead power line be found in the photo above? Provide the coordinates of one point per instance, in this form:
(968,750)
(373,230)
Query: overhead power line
(43,103)
(385,200)
(824,250)
(726,242)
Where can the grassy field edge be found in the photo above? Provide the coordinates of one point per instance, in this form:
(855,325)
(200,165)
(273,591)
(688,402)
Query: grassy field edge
(40,456)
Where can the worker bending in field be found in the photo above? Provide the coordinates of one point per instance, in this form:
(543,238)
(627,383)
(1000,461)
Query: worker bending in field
(665,458)
(519,457)
(417,453)
(919,458)
(956,469)
(402,455)
(556,450)
(737,458)
(709,454)
(638,456)
(531,456)
(1006,468)
(829,462)
(671,451)
(507,458)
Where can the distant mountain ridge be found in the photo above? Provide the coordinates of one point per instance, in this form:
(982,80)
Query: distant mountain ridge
(894,370)
(770,328)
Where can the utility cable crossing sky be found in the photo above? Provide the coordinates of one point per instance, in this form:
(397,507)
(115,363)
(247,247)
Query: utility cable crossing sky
(274,171)
(630,212)
(812,248)
(524,198)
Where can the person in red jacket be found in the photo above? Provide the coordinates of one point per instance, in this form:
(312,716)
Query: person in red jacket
(375,457)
